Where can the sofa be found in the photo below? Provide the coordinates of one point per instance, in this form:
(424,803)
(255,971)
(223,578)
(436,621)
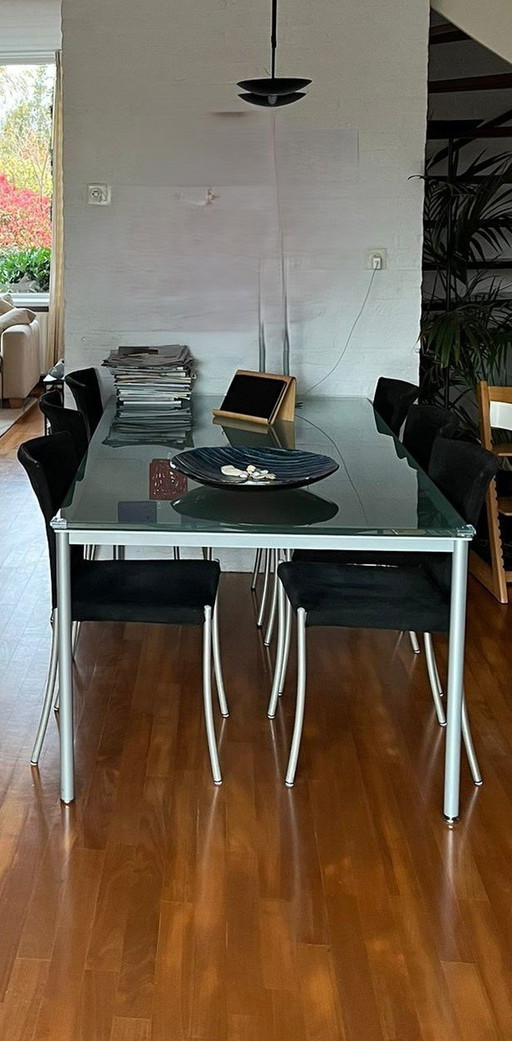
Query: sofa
(20,366)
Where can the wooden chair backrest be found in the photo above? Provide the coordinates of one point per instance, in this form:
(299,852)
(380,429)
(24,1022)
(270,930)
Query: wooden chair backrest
(495,405)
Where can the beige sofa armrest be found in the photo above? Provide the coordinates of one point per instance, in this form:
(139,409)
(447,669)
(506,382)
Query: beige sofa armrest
(21,368)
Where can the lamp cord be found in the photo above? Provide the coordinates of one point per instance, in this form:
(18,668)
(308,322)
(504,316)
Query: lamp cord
(349,337)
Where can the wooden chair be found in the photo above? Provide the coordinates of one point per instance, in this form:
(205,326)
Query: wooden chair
(495,407)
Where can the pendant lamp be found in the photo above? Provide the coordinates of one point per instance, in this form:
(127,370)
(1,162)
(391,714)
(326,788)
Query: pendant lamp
(273,91)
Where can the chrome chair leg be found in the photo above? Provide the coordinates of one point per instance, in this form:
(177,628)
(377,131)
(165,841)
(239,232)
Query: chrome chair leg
(439,685)
(267,558)
(48,694)
(256,569)
(465,727)
(414,642)
(207,696)
(470,748)
(217,664)
(278,667)
(75,635)
(118,552)
(301,698)
(433,676)
(176,553)
(207,553)
(287,641)
(273,604)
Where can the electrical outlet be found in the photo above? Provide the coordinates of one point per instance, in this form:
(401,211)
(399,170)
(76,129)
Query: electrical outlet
(376,259)
(99,194)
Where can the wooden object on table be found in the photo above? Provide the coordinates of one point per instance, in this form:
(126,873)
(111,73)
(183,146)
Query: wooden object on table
(495,408)
(242,433)
(259,397)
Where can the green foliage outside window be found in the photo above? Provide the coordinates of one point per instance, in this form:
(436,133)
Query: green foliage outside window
(26,94)
(28,264)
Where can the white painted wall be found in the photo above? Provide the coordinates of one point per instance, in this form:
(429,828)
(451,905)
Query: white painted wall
(488,22)
(29,29)
(209,193)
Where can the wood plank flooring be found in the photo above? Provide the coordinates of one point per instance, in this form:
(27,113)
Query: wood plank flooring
(160,908)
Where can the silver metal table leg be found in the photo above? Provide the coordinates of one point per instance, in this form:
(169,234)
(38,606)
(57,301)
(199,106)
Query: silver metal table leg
(67,770)
(455,679)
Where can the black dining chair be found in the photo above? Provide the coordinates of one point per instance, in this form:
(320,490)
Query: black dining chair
(424,423)
(160,591)
(69,420)
(392,400)
(85,388)
(408,596)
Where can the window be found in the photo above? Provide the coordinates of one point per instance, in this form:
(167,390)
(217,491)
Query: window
(26,93)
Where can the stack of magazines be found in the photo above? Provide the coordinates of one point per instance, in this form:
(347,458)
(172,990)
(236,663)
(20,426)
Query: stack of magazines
(153,389)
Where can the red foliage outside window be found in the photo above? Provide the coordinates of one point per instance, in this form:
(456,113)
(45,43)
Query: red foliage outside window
(24,217)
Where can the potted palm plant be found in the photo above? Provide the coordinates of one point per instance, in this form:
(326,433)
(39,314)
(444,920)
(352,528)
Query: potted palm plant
(466,329)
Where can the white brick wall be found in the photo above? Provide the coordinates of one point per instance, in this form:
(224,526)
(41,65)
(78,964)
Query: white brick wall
(151,108)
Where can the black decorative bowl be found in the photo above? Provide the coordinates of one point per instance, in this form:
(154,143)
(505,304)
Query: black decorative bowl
(292,467)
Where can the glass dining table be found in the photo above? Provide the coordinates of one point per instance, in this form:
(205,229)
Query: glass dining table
(127,494)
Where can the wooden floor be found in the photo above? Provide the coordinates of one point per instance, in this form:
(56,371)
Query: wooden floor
(159,908)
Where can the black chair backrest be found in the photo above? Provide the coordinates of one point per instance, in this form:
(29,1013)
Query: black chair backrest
(85,388)
(64,419)
(51,465)
(463,472)
(392,400)
(423,424)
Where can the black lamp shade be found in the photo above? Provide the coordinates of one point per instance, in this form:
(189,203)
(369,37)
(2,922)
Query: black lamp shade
(273,100)
(273,91)
(273,86)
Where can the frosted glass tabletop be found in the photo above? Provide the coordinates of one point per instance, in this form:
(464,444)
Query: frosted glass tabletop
(377,489)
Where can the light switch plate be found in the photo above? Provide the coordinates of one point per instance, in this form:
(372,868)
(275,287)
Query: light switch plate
(99,194)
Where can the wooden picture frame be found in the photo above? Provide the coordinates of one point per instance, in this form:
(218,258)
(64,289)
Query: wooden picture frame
(246,387)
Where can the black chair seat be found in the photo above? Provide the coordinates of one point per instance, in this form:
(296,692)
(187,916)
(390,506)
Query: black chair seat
(169,592)
(375,558)
(367,598)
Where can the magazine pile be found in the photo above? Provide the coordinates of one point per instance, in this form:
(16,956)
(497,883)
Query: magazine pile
(153,390)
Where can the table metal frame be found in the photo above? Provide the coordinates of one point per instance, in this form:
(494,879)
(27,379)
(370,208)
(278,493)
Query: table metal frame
(427,543)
